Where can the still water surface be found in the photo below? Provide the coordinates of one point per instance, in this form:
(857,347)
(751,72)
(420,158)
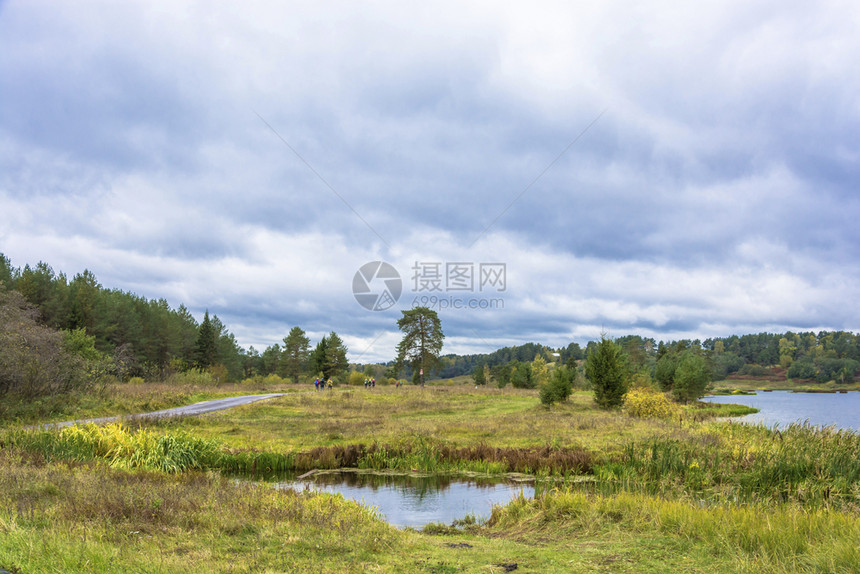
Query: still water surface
(782,408)
(415,501)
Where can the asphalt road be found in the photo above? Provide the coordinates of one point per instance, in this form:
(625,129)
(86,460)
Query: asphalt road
(188,410)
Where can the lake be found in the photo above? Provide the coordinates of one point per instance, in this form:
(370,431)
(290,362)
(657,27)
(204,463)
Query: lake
(415,501)
(782,408)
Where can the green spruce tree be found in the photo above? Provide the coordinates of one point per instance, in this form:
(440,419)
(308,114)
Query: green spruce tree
(604,367)
(207,344)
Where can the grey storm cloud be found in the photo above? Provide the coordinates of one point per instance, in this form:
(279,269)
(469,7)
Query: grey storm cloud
(250,159)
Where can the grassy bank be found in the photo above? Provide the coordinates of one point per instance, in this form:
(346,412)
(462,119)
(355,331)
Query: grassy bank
(119,400)
(691,494)
(60,517)
(783,538)
(459,417)
(714,462)
(752,384)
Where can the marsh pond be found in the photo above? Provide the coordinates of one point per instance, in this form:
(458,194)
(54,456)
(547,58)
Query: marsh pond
(413,501)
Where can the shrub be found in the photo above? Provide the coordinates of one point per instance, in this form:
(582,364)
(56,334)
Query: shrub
(479,376)
(77,342)
(522,377)
(218,373)
(824,370)
(646,403)
(559,387)
(34,360)
(726,364)
(642,380)
(691,377)
(548,395)
(803,369)
(840,370)
(664,372)
(752,370)
(272,380)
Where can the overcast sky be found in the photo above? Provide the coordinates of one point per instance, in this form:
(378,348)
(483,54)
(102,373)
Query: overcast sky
(674,170)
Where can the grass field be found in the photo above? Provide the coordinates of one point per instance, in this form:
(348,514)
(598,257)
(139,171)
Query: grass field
(683,495)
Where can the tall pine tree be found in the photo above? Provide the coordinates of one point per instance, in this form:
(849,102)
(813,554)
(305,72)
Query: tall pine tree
(206,350)
(296,351)
(329,357)
(422,340)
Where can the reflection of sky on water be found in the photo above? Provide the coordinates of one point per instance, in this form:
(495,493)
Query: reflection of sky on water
(413,501)
(841,410)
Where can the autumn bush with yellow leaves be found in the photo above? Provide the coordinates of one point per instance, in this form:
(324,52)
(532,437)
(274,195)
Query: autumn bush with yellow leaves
(647,403)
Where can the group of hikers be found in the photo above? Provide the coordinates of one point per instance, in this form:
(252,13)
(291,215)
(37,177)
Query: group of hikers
(320,385)
(371,382)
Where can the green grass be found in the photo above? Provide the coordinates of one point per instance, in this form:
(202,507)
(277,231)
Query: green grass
(731,391)
(691,495)
(459,417)
(752,538)
(754,384)
(119,400)
(740,463)
(88,517)
(120,447)
(76,518)
(708,410)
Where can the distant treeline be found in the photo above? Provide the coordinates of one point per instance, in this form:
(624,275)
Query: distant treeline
(456,365)
(149,339)
(822,356)
(113,333)
(145,338)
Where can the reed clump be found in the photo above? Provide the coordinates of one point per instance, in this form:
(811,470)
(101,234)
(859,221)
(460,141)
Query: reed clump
(178,451)
(770,538)
(121,447)
(735,462)
(418,454)
(428,457)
